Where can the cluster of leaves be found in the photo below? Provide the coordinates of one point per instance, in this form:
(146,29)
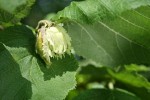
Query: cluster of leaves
(112,36)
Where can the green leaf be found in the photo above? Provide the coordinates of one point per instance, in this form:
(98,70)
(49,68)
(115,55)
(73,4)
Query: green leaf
(140,68)
(129,78)
(113,43)
(126,74)
(120,34)
(133,25)
(95,10)
(105,46)
(43,83)
(12,85)
(132,81)
(122,77)
(11,11)
(105,94)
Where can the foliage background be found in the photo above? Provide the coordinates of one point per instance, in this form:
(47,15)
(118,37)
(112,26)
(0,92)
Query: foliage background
(111,43)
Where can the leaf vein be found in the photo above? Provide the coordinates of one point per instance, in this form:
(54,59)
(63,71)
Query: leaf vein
(95,42)
(133,23)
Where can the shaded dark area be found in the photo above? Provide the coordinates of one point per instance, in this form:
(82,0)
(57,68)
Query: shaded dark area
(59,66)
(140,91)
(13,38)
(105,94)
(11,79)
(89,75)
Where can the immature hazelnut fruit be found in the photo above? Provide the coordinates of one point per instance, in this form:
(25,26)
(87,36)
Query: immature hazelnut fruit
(52,41)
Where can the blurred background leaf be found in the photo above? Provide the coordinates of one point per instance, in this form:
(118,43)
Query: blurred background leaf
(105,94)
(91,77)
(12,11)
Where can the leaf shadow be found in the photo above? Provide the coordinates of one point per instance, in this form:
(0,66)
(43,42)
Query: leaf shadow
(12,84)
(58,66)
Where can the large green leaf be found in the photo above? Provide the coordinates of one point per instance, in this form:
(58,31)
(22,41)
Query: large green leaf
(20,64)
(12,85)
(11,11)
(120,34)
(94,10)
(106,46)
(106,94)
